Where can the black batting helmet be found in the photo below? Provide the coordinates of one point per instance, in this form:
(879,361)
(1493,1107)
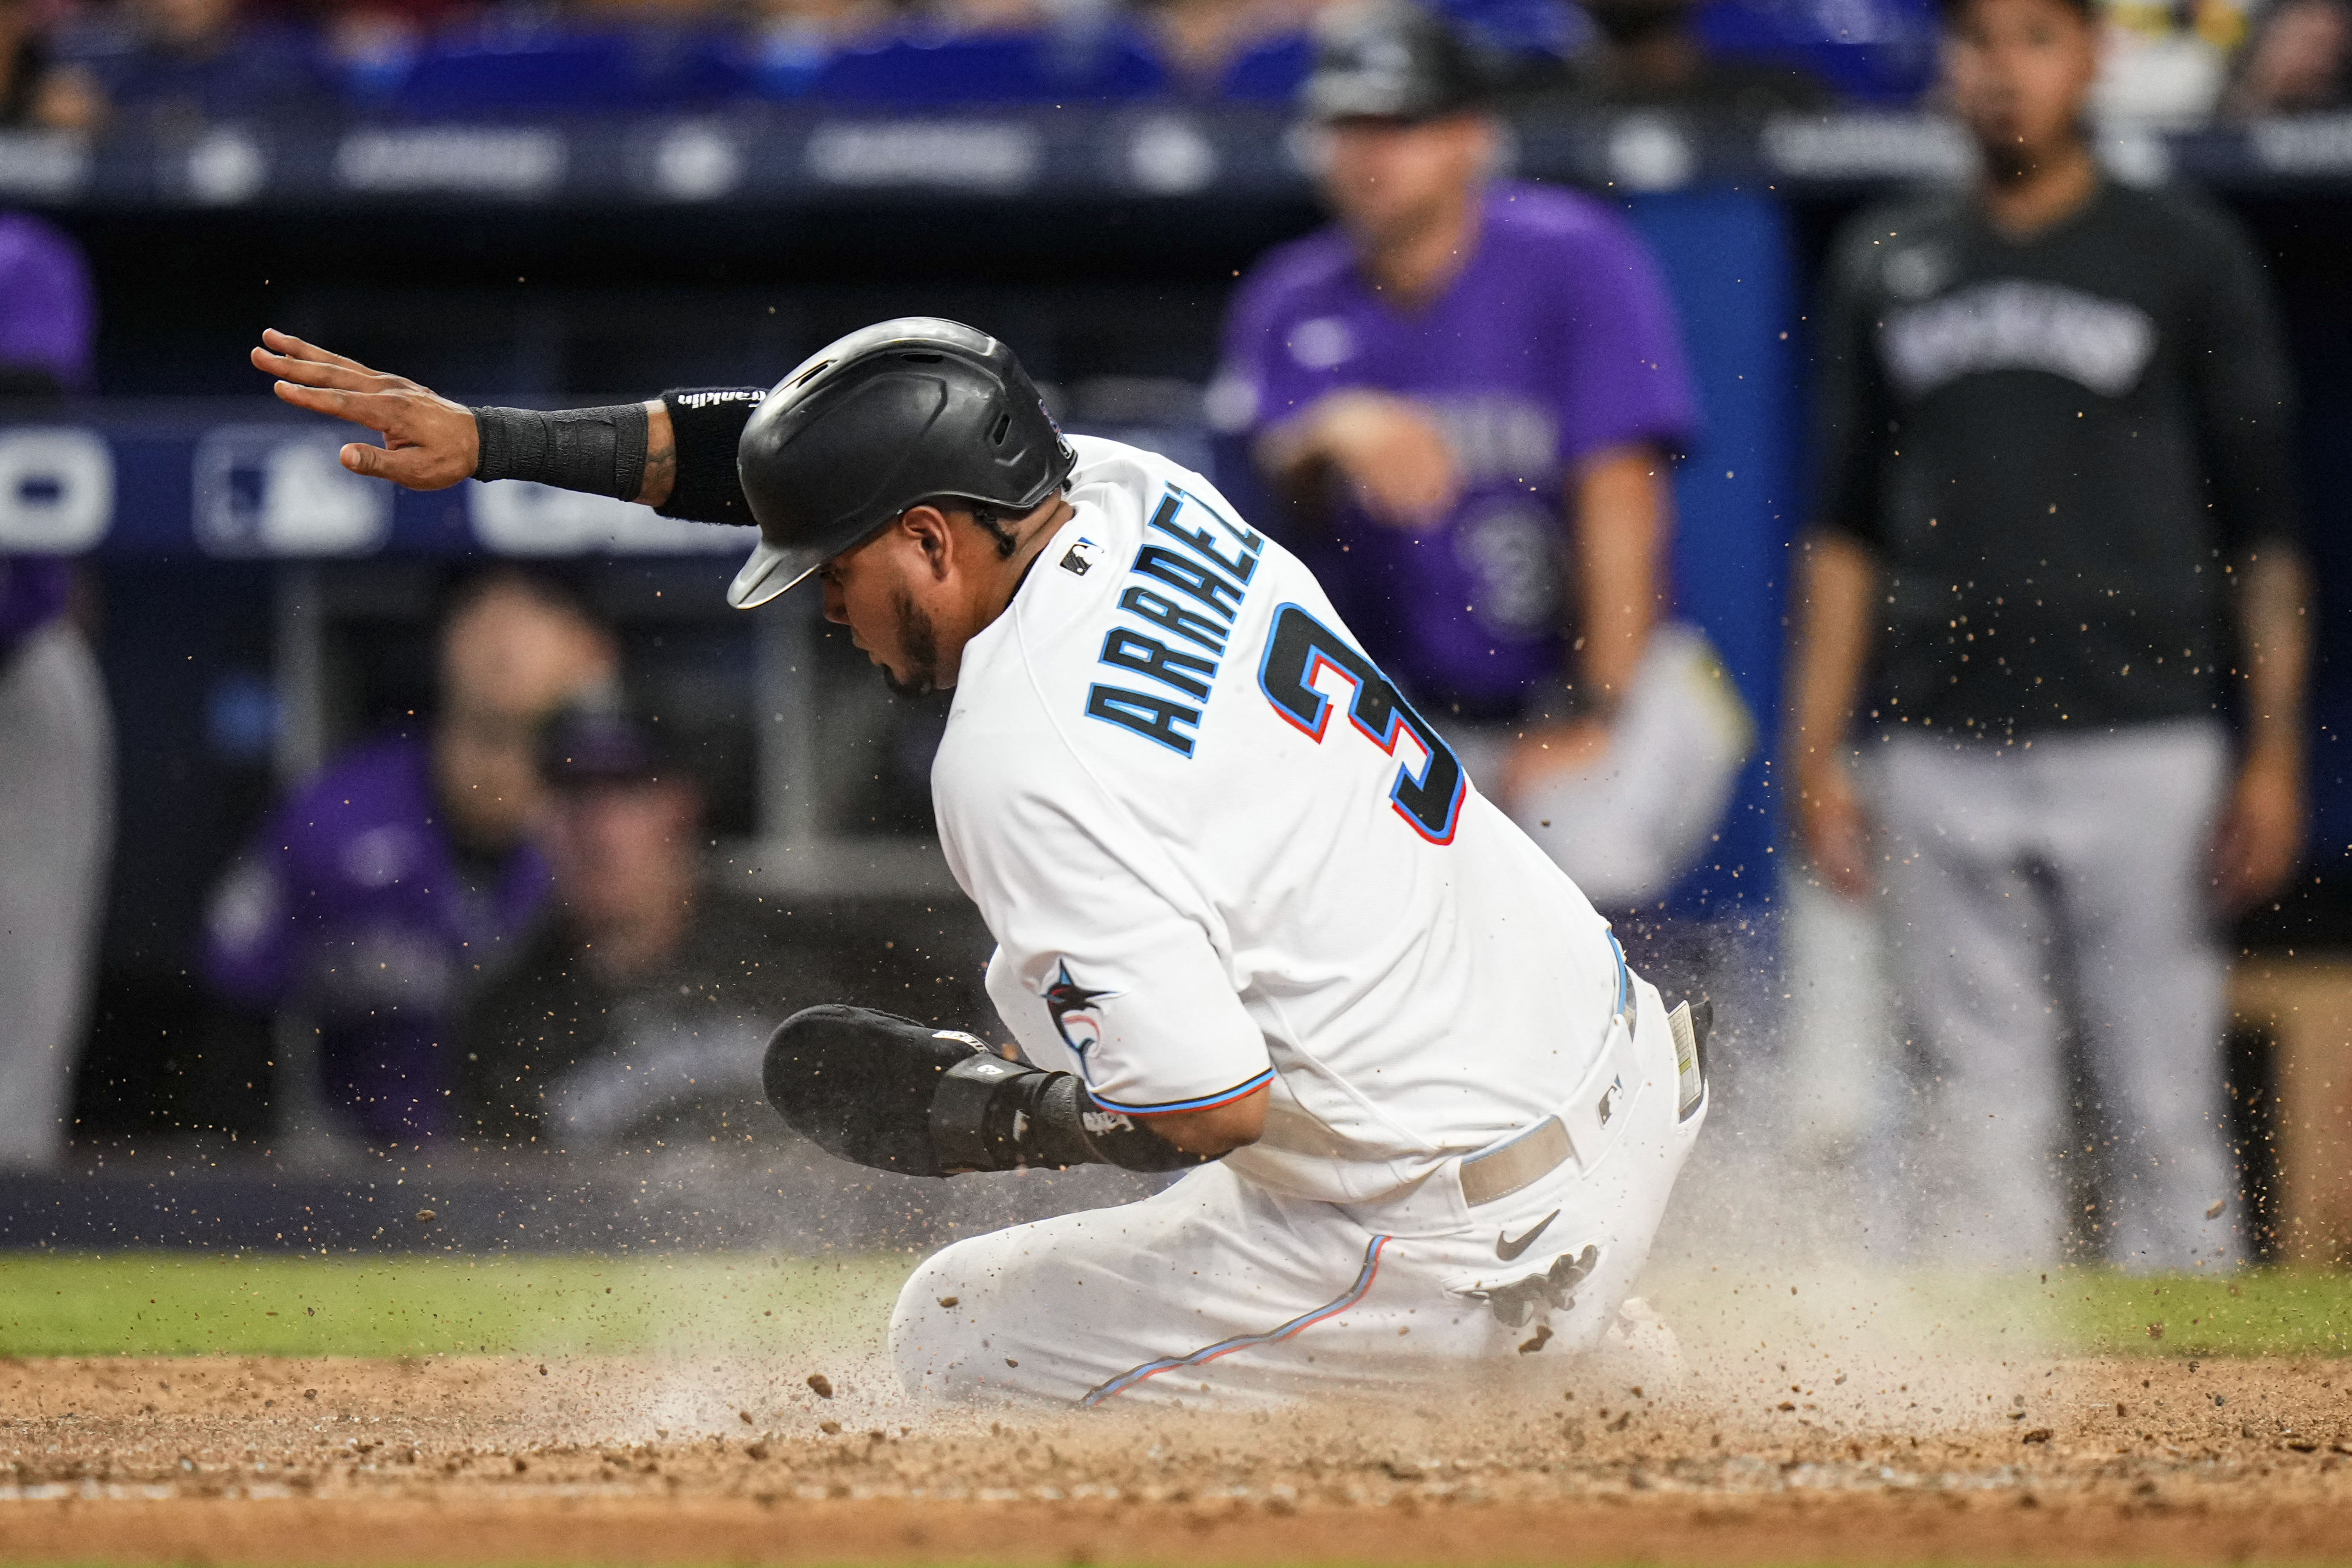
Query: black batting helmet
(893,414)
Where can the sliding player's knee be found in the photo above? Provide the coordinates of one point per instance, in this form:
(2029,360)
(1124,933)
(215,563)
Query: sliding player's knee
(950,1316)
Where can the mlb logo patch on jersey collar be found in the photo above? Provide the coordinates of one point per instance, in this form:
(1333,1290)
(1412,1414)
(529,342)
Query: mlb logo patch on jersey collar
(1081,557)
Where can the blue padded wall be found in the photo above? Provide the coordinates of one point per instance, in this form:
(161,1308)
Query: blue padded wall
(1728,261)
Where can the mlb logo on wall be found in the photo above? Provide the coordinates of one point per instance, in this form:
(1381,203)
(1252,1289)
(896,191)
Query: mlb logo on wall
(266,490)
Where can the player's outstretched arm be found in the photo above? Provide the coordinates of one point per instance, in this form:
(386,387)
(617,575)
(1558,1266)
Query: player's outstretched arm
(430,443)
(899,1095)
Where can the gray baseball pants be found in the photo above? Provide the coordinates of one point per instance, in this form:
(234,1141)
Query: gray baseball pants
(2031,889)
(56,832)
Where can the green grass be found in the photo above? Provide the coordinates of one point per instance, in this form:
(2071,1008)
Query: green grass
(2277,1312)
(172,1303)
(175,1303)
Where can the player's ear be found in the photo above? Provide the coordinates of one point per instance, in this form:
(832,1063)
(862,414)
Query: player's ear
(931,532)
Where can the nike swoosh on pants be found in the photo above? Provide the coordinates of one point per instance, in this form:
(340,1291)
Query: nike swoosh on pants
(1506,1249)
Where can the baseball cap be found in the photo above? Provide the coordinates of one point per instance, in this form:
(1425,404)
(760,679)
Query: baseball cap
(1390,59)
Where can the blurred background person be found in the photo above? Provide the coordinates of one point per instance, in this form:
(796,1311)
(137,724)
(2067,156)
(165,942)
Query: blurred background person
(644,992)
(2299,61)
(643,1005)
(1648,55)
(1472,390)
(57,743)
(404,874)
(175,66)
(1199,40)
(792,39)
(37,93)
(2055,431)
(2167,63)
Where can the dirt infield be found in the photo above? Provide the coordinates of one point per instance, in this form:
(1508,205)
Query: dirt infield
(505,1460)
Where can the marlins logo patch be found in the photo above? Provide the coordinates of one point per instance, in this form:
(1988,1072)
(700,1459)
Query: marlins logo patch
(1071,1006)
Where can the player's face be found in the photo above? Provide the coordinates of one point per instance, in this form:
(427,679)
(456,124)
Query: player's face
(872,590)
(1388,180)
(624,847)
(507,662)
(2020,73)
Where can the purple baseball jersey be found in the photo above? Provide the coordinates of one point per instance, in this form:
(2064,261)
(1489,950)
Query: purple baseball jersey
(353,904)
(48,325)
(1554,342)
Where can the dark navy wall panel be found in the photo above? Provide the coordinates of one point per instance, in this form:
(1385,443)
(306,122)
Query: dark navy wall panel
(1730,265)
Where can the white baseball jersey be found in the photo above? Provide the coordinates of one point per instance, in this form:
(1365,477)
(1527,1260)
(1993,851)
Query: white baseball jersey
(1218,850)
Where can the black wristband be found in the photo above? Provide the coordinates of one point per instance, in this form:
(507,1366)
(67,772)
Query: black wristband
(600,451)
(706,424)
(991,1114)
(1118,1139)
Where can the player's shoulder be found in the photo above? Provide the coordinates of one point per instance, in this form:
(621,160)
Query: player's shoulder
(1131,505)
(363,819)
(1930,212)
(1297,275)
(2179,220)
(1570,247)
(1519,212)
(1114,648)
(1898,224)
(387,779)
(1104,467)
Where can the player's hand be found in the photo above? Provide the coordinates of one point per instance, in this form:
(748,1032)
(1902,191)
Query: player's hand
(1834,825)
(429,442)
(1393,455)
(1546,751)
(2261,835)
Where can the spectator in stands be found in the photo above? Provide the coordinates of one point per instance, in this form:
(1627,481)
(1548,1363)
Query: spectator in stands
(177,65)
(977,18)
(647,1001)
(37,93)
(1199,40)
(788,43)
(1473,390)
(817,27)
(2299,61)
(2056,436)
(2166,63)
(1649,56)
(387,887)
(57,743)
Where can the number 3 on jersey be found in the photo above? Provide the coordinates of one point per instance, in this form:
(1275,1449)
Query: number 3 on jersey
(1297,652)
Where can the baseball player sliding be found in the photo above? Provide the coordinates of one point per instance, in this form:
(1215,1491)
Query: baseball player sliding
(1254,923)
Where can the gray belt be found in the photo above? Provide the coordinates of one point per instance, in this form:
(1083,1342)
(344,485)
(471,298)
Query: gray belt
(1595,1108)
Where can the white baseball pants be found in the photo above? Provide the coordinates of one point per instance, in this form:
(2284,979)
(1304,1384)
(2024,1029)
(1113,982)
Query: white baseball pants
(2029,888)
(1218,1288)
